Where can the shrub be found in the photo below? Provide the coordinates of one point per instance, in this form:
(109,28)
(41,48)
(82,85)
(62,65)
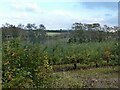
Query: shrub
(24,65)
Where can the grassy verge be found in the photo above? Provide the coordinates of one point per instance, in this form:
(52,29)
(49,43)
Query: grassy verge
(68,67)
(103,77)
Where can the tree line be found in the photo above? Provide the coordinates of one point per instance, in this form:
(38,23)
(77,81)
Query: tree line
(92,32)
(78,33)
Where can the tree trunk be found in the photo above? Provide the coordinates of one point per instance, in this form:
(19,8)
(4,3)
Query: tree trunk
(97,65)
(75,65)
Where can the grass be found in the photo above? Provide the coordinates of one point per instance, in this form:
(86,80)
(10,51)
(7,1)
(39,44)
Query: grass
(104,77)
(53,33)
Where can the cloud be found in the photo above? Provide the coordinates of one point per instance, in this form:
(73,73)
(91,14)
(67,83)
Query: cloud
(27,7)
(14,18)
(59,12)
(55,19)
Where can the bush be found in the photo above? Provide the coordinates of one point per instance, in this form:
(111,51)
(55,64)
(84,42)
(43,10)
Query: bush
(24,65)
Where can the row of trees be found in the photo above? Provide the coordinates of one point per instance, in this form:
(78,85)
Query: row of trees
(78,33)
(94,26)
(30,32)
(29,26)
(92,32)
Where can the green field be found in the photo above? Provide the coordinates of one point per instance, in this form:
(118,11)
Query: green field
(53,33)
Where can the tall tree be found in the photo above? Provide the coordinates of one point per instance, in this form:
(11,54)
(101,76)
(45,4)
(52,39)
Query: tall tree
(42,27)
(77,26)
(21,26)
(31,26)
(89,27)
(96,26)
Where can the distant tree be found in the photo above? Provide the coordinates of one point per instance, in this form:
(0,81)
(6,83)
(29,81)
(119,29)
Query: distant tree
(40,34)
(20,26)
(42,27)
(61,30)
(99,34)
(31,26)
(77,26)
(9,31)
(77,34)
(116,28)
(96,26)
(106,28)
(89,27)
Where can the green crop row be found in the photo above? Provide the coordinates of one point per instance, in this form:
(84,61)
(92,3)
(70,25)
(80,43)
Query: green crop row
(30,65)
(85,53)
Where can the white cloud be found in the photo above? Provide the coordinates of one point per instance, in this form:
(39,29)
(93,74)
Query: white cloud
(60,12)
(28,6)
(21,15)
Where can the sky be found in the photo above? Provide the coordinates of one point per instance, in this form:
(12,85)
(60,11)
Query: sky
(58,14)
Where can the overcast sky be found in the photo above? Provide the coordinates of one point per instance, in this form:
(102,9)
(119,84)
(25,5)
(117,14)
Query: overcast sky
(58,15)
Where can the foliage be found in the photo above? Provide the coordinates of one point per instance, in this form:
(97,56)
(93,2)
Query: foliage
(24,66)
(86,53)
(29,65)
